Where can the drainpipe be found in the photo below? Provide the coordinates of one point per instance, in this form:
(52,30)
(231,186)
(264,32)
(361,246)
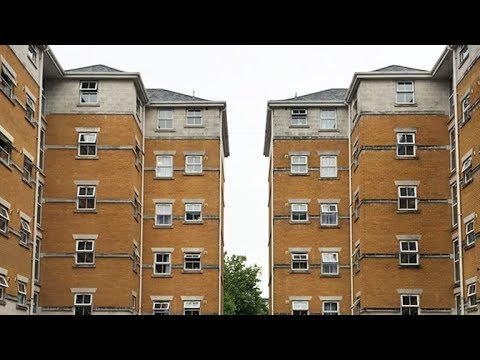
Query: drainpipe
(272,259)
(37,182)
(350,206)
(457,179)
(141,214)
(220,214)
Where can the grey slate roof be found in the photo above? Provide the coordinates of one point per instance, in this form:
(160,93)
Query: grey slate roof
(325,95)
(397,68)
(167,95)
(94,68)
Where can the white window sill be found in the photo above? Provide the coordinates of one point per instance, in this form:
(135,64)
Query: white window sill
(84,266)
(8,166)
(24,245)
(406,104)
(193,174)
(162,275)
(330,226)
(407,211)
(200,271)
(86,157)
(88,105)
(22,307)
(163,178)
(329,178)
(189,222)
(300,222)
(164,130)
(330,275)
(299,126)
(328,130)
(85,211)
(298,271)
(406,157)
(194,126)
(162,226)
(299,174)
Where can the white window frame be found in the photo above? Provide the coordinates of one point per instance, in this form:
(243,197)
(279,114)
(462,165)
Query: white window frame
(196,116)
(451,106)
(167,215)
(137,207)
(299,305)
(406,144)
(162,259)
(299,117)
(401,197)
(165,117)
(463,54)
(32,53)
(4,218)
(82,304)
(7,82)
(328,210)
(192,167)
(85,251)
(330,259)
(5,150)
(409,252)
(88,141)
(466,108)
(192,209)
(409,306)
(25,231)
(327,169)
(299,208)
(472,295)
(326,118)
(456,261)
(355,154)
(42,149)
(30,109)
(470,232)
(405,91)
(467,170)
(453,188)
(22,293)
(3,286)
(86,196)
(163,170)
(161,307)
(138,110)
(87,92)
(138,154)
(299,258)
(329,311)
(39,203)
(356,258)
(27,169)
(136,257)
(191,306)
(453,140)
(297,167)
(192,258)
(36,272)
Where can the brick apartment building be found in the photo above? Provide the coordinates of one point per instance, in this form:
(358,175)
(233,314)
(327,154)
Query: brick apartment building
(111,195)
(391,164)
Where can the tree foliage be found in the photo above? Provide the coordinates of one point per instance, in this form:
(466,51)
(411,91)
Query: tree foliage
(242,295)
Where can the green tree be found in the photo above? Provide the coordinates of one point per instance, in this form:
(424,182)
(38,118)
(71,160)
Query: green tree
(242,296)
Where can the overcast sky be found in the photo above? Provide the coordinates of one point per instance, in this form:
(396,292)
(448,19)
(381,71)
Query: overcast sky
(247,77)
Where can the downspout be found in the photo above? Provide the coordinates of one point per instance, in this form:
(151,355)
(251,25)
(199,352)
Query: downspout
(272,261)
(350,222)
(141,214)
(220,214)
(457,179)
(37,182)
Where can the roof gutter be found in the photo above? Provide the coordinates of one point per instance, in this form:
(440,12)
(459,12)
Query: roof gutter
(280,103)
(184,103)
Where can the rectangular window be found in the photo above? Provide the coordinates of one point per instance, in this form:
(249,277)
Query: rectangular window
(193,212)
(164,166)
(87,144)
(136,257)
(453,150)
(458,305)
(32,53)
(463,53)
(355,154)
(7,82)
(163,264)
(299,261)
(138,110)
(299,164)
(161,308)
(409,253)
(406,144)
(329,263)
(451,106)
(299,212)
(466,114)
(328,119)
(405,92)
(299,117)
(163,214)
(25,232)
(165,119)
(454,205)
(356,259)
(138,154)
(35,303)
(85,252)
(407,198)
(37,259)
(467,170)
(357,306)
(4,218)
(330,308)
(86,197)
(192,261)
(88,92)
(329,215)
(42,149)
(193,164)
(356,207)
(410,304)
(22,294)
(472,295)
(191,308)
(137,208)
(3,286)
(470,232)
(456,261)
(194,117)
(27,169)
(299,307)
(30,109)
(5,149)
(328,166)
(39,204)
(83,304)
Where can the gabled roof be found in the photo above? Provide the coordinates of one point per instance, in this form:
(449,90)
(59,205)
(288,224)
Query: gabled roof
(336,94)
(94,68)
(167,95)
(396,68)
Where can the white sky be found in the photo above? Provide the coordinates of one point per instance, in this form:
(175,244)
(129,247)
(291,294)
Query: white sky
(247,77)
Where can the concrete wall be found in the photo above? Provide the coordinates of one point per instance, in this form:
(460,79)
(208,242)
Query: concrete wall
(473,53)
(282,122)
(22,53)
(10,308)
(211,122)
